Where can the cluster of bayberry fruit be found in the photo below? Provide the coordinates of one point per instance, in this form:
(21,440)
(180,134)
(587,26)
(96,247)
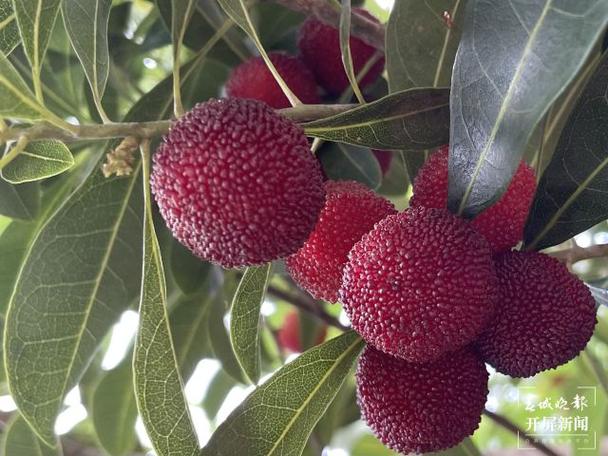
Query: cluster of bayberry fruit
(434,296)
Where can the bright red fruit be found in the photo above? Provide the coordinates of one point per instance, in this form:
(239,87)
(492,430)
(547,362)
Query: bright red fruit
(502,224)
(319,45)
(416,408)
(237,184)
(350,211)
(545,315)
(419,285)
(252,79)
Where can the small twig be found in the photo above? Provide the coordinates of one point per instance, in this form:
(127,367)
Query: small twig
(512,427)
(153,129)
(329,12)
(308,305)
(576,253)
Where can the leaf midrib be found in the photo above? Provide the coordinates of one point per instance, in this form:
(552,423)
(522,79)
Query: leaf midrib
(317,387)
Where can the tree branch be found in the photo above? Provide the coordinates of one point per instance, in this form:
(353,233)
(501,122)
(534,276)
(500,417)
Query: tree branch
(329,12)
(140,130)
(512,427)
(308,305)
(576,253)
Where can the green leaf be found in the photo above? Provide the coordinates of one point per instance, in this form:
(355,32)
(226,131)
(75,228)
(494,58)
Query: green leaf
(19,201)
(220,339)
(413,119)
(86,23)
(158,384)
(237,10)
(189,272)
(245,319)
(420,50)
(420,46)
(39,160)
(9,31)
(346,162)
(278,417)
(19,439)
(114,411)
(189,322)
(571,195)
(16,99)
(514,61)
(36,19)
(219,388)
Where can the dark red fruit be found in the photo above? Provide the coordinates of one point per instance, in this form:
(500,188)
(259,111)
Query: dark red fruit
(350,211)
(319,45)
(384,158)
(289,335)
(237,184)
(545,315)
(419,285)
(252,79)
(502,224)
(416,408)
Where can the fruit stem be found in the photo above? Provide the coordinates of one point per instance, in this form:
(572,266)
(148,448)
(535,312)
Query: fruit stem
(520,433)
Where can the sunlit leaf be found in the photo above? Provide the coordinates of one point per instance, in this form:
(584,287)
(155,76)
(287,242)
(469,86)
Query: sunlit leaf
(16,99)
(9,31)
(513,62)
(39,160)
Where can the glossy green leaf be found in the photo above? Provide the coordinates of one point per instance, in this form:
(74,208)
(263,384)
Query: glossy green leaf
(16,99)
(278,417)
(39,160)
(413,119)
(19,440)
(114,411)
(19,201)
(86,23)
(189,322)
(245,319)
(421,43)
(36,19)
(9,31)
(158,383)
(514,61)
(572,194)
(346,162)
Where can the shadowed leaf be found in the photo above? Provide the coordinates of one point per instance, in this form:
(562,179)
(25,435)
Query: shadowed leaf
(39,160)
(19,440)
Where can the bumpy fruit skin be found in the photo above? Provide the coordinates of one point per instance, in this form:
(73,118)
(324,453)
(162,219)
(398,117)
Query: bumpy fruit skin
(289,335)
(416,408)
(545,315)
(350,211)
(502,224)
(237,184)
(419,285)
(319,45)
(252,79)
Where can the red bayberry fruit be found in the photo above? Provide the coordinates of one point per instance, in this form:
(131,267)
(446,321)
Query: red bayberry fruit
(350,211)
(420,284)
(289,335)
(319,44)
(545,315)
(416,408)
(237,184)
(502,224)
(252,79)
